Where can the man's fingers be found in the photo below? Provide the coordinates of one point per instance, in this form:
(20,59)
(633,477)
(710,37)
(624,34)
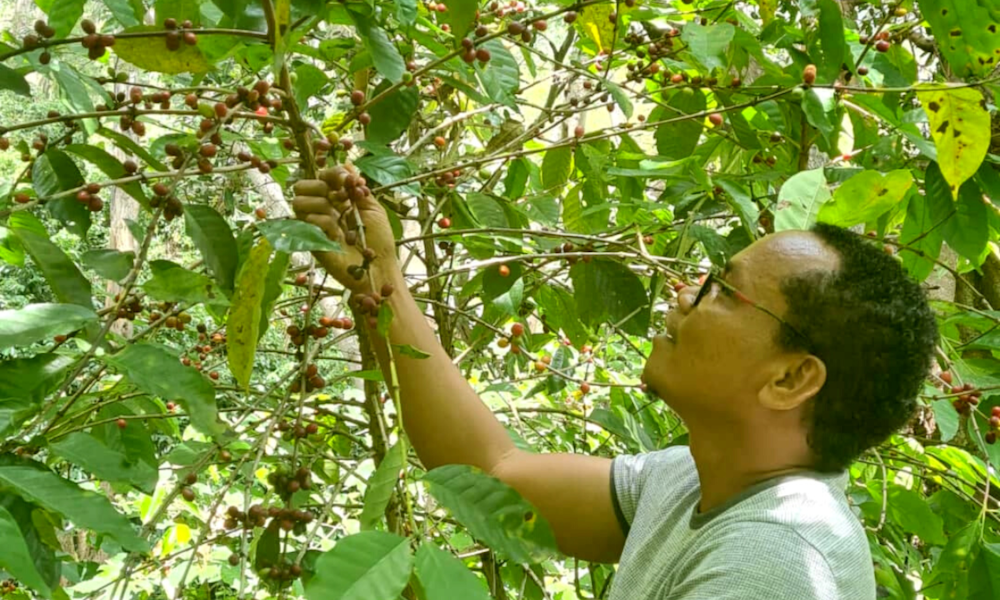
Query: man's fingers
(327,224)
(311,187)
(311,205)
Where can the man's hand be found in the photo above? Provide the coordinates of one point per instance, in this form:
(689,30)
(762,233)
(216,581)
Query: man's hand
(329,203)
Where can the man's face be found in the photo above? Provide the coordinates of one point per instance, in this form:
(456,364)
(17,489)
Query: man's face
(715,357)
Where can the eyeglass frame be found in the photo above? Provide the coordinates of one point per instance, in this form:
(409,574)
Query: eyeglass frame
(714,276)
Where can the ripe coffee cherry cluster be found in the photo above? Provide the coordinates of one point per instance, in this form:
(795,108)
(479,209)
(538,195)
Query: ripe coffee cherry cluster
(313,382)
(447,179)
(173,321)
(186,492)
(347,183)
(175,37)
(967,400)
(994,432)
(172,206)
(89,198)
(281,572)
(43,31)
(9,586)
(287,484)
(130,309)
(94,42)
(368,304)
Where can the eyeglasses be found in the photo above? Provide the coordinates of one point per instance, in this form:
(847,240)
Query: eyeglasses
(714,276)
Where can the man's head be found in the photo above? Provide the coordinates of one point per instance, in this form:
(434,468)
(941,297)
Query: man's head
(837,346)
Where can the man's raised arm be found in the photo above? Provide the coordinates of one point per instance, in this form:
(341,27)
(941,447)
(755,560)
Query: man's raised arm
(445,420)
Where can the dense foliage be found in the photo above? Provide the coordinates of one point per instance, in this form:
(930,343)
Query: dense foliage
(190,408)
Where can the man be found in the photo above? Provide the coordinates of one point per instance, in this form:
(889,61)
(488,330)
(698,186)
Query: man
(807,350)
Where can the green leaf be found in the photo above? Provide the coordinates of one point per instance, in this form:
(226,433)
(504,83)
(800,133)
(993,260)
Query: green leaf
(460,16)
(86,509)
(75,89)
(966,32)
(559,309)
(392,115)
(818,110)
(110,264)
(911,512)
(173,283)
(922,234)
(800,200)
(15,557)
(272,289)
(386,58)
(381,485)
(410,351)
(946,418)
(66,281)
(32,378)
(54,172)
(557,166)
(214,239)
(965,226)
(865,197)
(111,167)
(608,292)
(444,577)
(289,235)
(124,12)
(950,576)
(64,14)
(388,169)
(621,98)
(493,512)
(151,54)
(130,147)
(309,81)
(678,140)
(243,322)
(105,463)
(406,12)
(708,43)
(831,41)
(157,370)
(984,580)
(14,81)
(37,322)
(178,9)
(501,77)
(371,565)
(960,126)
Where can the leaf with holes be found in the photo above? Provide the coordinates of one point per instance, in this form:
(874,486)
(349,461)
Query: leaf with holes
(960,126)
(967,32)
(865,197)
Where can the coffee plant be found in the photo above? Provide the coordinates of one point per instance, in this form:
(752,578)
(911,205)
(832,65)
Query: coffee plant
(191,408)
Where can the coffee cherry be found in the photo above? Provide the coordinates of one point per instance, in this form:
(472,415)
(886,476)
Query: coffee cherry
(504,270)
(882,46)
(503,342)
(540,366)
(187,493)
(364,118)
(221,110)
(540,25)
(809,75)
(170,23)
(357,97)
(121,423)
(387,290)
(516,330)
(991,437)
(130,166)
(45,58)
(862,70)
(160,189)
(578,131)
(234,559)
(946,377)
(584,387)
(88,26)
(483,55)
(569,17)
(440,142)
(716,119)
(444,222)
(208,150)
(313,428)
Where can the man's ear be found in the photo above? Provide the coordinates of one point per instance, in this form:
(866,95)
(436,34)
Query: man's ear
(796,380)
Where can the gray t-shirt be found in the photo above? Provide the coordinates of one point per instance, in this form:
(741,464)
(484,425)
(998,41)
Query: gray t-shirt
(787,538)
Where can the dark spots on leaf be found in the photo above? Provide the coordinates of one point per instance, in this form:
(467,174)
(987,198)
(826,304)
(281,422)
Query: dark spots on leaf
(955,33)
(944,127)
(956,133)
(992,28)
(944,12)
(883,192)
(981,61)
(934,106)
(528,516)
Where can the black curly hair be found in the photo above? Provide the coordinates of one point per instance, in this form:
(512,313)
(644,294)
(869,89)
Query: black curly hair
(873,328)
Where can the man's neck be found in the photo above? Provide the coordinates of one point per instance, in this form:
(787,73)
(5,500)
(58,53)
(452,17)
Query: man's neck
(730,459)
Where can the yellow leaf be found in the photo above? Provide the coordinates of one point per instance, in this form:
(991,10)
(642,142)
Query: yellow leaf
(182,533)
(960,126)
(767,10)
(243,324)
(594,22)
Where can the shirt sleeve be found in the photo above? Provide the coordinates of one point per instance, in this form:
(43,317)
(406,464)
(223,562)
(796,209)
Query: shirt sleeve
(757,561)
(629,473)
